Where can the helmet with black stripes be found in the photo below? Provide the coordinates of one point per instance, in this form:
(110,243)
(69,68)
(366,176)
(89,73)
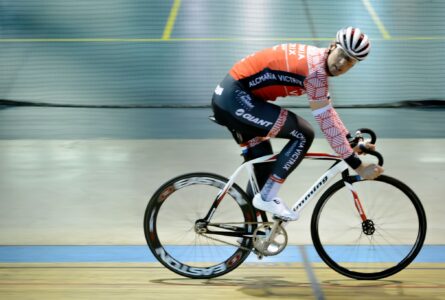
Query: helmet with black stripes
(355,43)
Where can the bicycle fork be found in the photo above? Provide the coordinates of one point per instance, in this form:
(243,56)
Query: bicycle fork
(367,224)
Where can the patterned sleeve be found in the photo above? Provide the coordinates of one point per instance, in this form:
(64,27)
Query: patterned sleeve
(328,119)
(336,134)
(316,85)
(334,130)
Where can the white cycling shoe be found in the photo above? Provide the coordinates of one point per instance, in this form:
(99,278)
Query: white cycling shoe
(276,206)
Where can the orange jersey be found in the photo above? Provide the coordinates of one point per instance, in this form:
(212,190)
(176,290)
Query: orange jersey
(284,70)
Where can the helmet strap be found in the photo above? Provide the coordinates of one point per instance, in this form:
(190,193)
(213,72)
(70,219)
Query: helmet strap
(346,52)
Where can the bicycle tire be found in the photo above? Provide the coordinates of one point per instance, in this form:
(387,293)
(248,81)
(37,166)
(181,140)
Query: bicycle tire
(172,192)
(369,265)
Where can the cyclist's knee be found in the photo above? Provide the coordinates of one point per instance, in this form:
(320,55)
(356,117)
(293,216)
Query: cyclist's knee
(297,128)
(263,170)
(254,151)
(309,134)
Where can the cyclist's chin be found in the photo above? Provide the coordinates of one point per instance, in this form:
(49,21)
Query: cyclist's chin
(334,71)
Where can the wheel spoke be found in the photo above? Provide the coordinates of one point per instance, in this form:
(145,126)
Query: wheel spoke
(394,228)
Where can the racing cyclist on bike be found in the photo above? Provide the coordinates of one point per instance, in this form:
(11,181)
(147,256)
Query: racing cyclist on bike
(240,102)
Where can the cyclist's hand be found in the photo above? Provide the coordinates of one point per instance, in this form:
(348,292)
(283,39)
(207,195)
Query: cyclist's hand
(369,171)
(367,145)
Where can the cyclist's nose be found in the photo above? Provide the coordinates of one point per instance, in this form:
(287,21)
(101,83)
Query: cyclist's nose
(342,62)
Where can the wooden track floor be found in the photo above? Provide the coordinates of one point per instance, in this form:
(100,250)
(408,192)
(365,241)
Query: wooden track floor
(250,281)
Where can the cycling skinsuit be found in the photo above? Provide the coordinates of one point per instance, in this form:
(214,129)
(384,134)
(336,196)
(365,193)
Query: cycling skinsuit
(240,102)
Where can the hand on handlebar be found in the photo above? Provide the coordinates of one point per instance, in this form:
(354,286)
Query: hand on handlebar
(369,171)
(357,149)
(360,146)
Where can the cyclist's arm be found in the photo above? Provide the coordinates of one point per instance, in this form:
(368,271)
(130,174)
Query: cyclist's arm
(316,85)
(334,130)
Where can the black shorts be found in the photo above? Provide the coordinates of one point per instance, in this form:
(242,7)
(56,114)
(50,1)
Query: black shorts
(235,107)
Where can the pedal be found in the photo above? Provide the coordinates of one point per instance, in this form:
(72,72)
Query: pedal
(283,219)
(258,255)
(278,218)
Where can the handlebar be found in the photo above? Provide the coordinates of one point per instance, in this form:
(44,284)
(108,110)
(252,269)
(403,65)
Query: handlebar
(359,139)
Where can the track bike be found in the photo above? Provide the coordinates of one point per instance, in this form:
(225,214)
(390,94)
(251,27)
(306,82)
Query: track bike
(203,225)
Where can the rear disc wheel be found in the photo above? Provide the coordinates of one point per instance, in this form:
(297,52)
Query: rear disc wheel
(181,239)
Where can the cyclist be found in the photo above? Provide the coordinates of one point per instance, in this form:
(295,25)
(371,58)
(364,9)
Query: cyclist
(241,103)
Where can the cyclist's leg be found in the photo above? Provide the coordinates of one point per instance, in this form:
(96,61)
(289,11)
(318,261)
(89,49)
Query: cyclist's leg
(300,140)
(244,114)
(252,151)
(300,135)
(254,147)
(230,98)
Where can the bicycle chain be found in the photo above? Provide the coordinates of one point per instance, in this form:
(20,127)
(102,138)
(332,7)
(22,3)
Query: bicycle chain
(237,245)
(231,244)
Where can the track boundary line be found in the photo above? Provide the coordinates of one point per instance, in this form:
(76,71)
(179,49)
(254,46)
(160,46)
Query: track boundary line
(171,20)
(376,20)
(210,39)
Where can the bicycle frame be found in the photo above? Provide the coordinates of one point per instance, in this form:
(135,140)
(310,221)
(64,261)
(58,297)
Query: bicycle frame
(339,167)
(367,250)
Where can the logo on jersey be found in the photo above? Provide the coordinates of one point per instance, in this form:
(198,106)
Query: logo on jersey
(241,113)
(219,90)
(268,77)
(297,134)
(297,152)
(262,78)
(292,49)
(301,54)
(244,99)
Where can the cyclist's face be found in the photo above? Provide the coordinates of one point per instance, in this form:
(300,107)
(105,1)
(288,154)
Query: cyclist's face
(339,62)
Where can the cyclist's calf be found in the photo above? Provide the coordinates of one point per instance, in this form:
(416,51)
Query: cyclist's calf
(301,136)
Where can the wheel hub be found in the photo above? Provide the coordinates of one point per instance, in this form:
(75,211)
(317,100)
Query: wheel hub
(200,226)
(368,227)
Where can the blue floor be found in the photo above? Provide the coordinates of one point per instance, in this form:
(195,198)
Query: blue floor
(141,254)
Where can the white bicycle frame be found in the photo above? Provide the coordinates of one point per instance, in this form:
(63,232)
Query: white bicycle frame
(313,191)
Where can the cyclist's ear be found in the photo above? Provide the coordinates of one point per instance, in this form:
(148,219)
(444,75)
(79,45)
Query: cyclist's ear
(332,46)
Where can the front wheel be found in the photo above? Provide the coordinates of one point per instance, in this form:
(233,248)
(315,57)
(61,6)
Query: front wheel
(191,237)
(384,243)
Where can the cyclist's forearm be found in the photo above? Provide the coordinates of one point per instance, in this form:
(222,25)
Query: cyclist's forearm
(335,132)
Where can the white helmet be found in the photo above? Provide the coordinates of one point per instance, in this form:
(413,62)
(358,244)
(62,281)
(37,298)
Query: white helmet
(354,42)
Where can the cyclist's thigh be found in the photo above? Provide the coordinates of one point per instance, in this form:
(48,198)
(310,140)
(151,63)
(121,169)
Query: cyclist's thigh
(295,127)
(240,111)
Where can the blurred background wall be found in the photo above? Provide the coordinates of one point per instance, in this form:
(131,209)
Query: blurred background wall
(125,52)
